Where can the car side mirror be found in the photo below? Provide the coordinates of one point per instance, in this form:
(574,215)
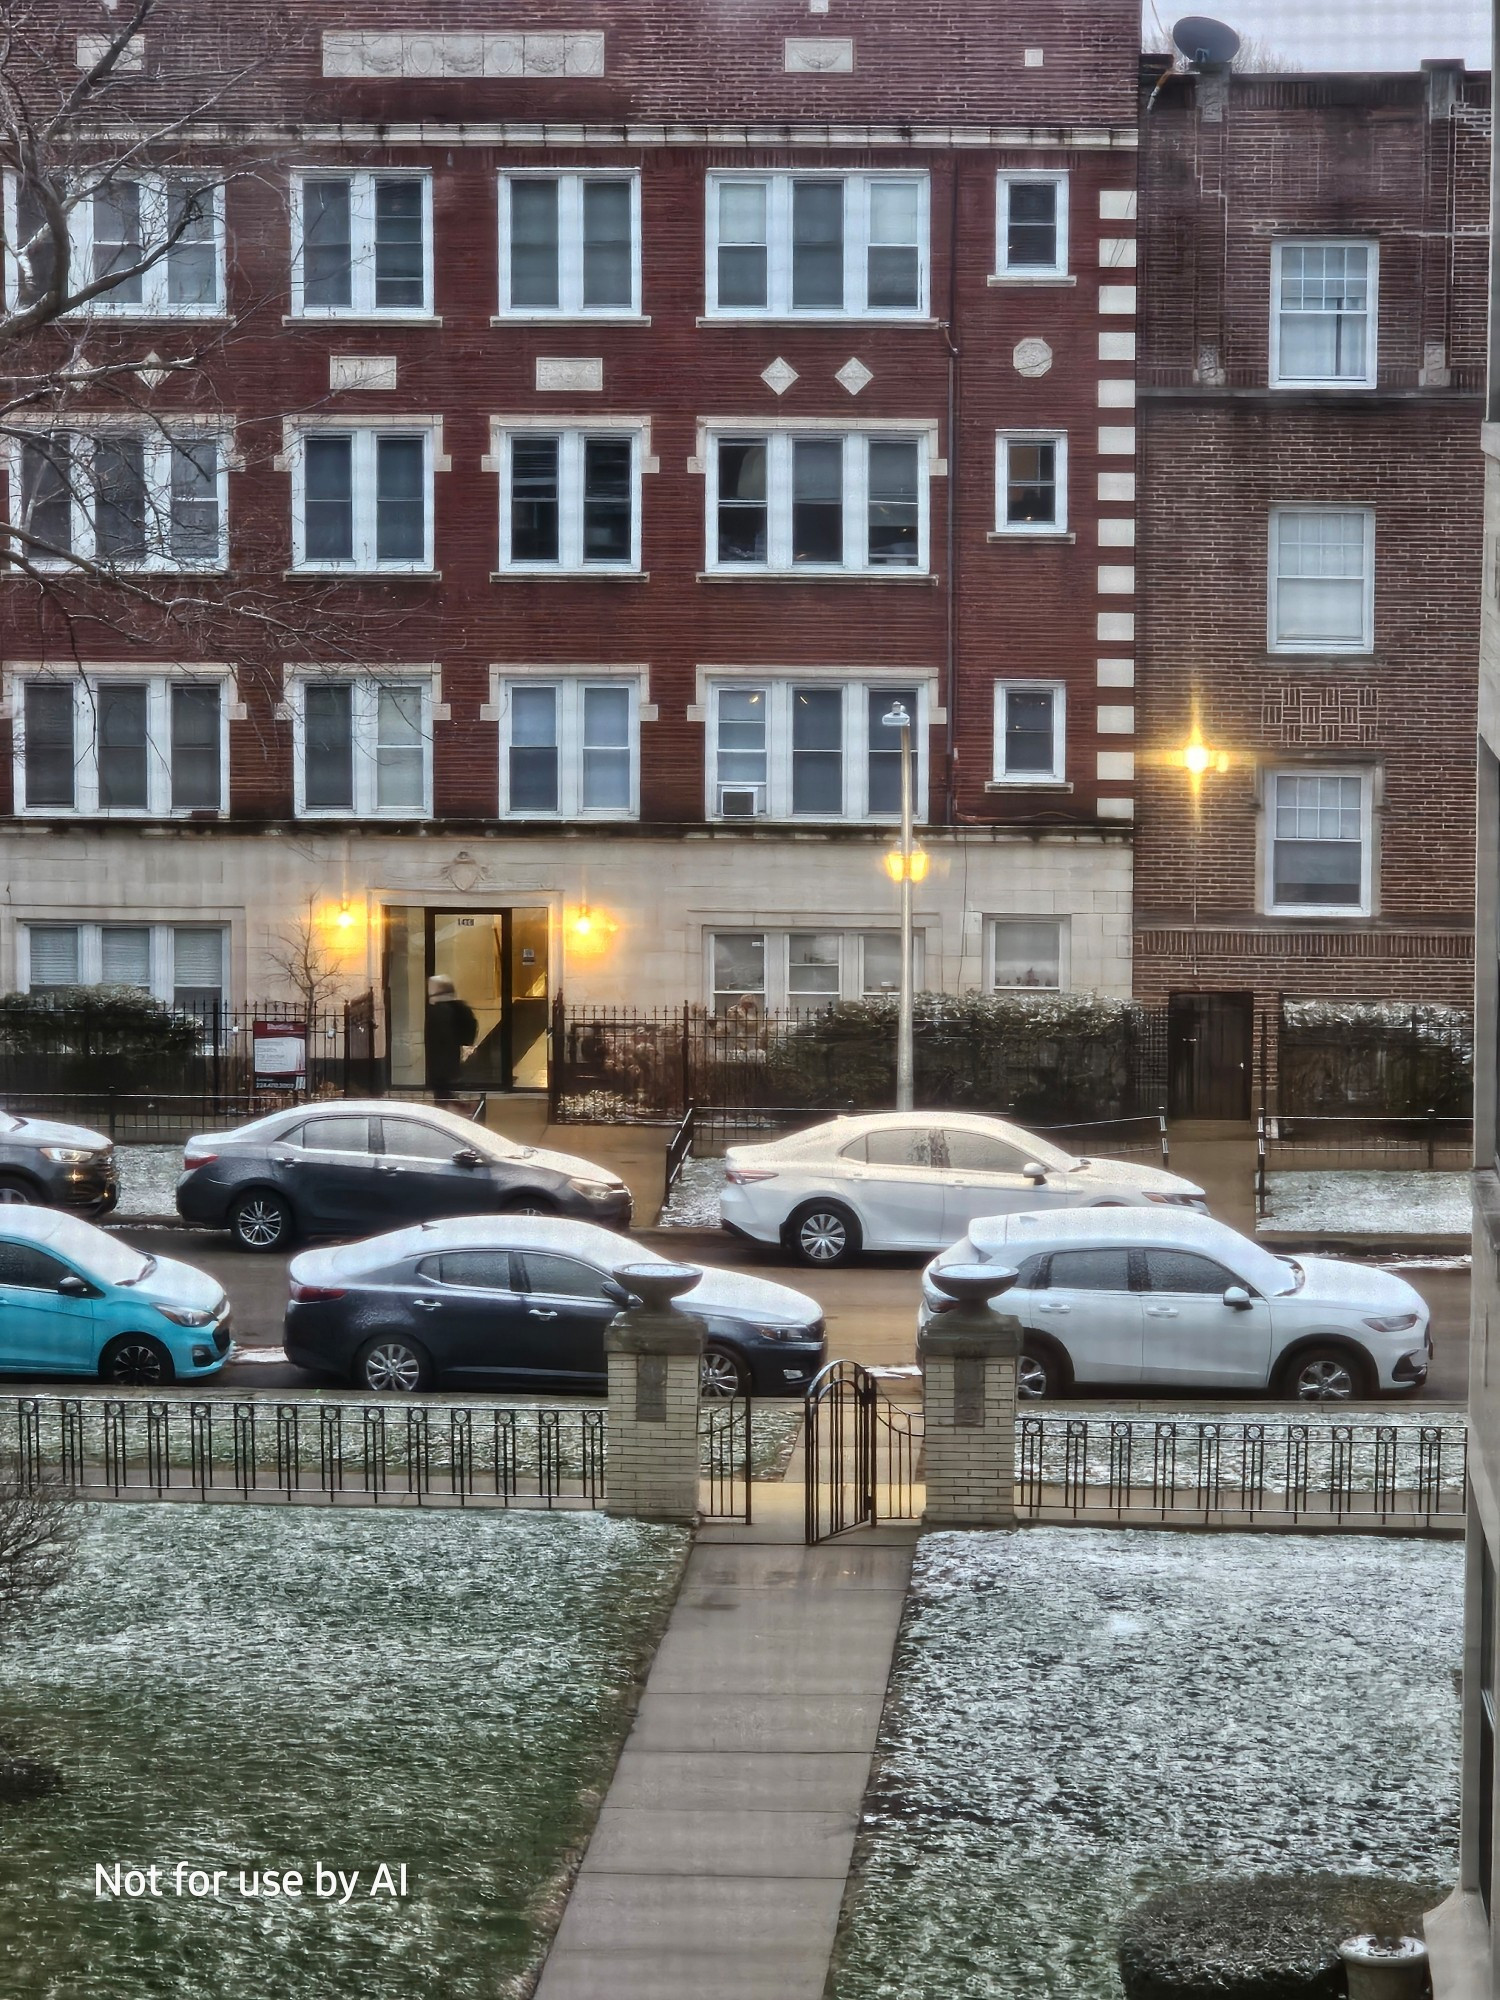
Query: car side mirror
(73,1287)
(1035,1173)
(617,1295)
(467,1157)
(1238,1298)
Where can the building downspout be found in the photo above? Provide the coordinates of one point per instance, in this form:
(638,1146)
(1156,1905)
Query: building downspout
(950,676)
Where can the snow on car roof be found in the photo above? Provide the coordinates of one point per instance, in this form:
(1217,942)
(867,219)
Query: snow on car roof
(1172,1229)
(487,1232)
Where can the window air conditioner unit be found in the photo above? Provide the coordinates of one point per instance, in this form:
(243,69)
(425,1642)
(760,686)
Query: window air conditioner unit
(739,801)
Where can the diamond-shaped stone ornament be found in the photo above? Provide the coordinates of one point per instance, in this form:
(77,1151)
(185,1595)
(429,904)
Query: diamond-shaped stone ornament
(779,376)
(151,371)
(854,376)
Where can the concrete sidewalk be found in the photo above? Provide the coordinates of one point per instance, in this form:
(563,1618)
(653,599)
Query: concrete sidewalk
(717,1868)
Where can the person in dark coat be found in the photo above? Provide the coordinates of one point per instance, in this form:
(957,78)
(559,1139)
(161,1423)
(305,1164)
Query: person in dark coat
(451,1028)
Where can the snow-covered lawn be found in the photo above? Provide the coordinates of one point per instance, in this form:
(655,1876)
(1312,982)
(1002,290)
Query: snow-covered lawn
(694,1202)
(148,1180)
(1079,1717)
(1369,1203)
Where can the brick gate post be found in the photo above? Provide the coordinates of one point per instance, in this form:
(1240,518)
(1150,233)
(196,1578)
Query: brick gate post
(654,1350)
(969,1357)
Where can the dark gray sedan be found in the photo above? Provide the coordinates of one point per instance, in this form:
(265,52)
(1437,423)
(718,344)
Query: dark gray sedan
(57,1166)
(351,1169)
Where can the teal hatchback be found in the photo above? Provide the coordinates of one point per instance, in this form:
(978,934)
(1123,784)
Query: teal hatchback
(76,1301)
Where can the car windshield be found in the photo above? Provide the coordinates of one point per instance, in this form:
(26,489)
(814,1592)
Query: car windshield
(103,1257)
(1299,1276)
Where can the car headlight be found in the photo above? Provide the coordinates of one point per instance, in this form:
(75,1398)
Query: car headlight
(69,1156)
(596,1190)
(1175,1200)
(1394,1323)
(186,1315)
(788,1332)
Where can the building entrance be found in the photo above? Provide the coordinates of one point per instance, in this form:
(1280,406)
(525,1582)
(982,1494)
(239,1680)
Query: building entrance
(497,959)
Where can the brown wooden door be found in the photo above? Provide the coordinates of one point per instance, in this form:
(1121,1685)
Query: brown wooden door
(1210,1043)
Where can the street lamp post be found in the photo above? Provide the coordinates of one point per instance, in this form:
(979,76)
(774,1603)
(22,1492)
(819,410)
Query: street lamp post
(899,719)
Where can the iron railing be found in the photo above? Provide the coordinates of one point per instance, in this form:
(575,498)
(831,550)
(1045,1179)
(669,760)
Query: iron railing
(862,1454)
(725,1457)
(312,1451)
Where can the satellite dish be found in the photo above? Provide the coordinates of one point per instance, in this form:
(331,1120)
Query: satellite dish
(1207,44)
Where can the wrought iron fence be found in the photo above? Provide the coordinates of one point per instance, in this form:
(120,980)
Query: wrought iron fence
(1374,1058)
(313,1451)
(1415,1145)
(863,1454)
(726,1457)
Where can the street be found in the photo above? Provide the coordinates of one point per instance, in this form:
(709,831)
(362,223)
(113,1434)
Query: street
(871,1308)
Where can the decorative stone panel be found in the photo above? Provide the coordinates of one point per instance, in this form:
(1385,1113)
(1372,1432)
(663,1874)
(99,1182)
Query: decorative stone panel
(435,55)
(1322,713)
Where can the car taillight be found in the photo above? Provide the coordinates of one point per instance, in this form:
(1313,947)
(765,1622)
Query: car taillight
(191,1160)
(316,1294)
(743,1176)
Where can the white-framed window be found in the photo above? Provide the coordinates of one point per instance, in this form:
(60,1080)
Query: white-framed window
(362,245)
(362,499)
(1324,300)
(809,749)
(126,499)
(570,499)
(1322,582)
(570,244)
(1025,954)
(823,245)
(801,971)
(1319,844)
(153,747)
(163,233)
(569,749)
(1031,483)
(182,965)
(363,748)
(1030,732)
(1031,224)
(825,501)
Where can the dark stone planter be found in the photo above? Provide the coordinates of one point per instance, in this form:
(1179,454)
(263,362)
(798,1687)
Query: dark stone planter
(1261,1937)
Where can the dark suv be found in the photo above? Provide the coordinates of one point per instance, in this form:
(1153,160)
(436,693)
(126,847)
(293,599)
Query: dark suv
(57,1166)
(348,1169)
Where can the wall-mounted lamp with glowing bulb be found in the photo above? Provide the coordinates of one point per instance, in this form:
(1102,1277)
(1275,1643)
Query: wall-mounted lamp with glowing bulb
(588,929)
(901,867)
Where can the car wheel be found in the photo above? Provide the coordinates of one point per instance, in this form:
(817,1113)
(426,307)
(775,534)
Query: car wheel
(722,1375)
(18,1192)
(824,1234)
(391,1364)
(530,1204)
(136,1361)
(1324,1375)
(261,1221)
(1039,1375)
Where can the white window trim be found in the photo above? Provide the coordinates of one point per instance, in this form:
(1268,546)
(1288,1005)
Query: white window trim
(364,717)
(570,687)
(364,432)
(856,246)
(778,997)
(1059,771)
(86,742)
(1004,181)
(153,303)
(1366,905)
(570,304)
(1064,945)
(779,441)
(780,685)
(91,951)
(157,457)
(1366,642)
(1024,529)
(362,304)
(573,435)
(1372,317)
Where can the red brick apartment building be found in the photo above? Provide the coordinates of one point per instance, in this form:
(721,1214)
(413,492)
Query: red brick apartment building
(620,409)
(1314,299)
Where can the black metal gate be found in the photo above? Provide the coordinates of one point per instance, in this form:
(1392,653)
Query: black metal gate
(862,1453)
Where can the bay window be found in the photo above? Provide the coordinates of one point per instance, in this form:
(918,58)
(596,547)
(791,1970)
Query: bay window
(153,746)
(785,245)
(363,748)
(845,501)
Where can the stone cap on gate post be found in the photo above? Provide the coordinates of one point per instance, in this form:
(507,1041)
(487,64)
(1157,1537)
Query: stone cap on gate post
(971,1330)
(650,1321)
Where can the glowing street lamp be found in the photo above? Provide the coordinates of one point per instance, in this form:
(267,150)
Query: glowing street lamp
(905,866)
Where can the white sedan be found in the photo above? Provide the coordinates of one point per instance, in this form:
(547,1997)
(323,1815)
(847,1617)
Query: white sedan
(914,1180)
(1159,1299)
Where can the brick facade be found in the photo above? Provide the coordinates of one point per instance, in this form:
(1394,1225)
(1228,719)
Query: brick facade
(1230,169)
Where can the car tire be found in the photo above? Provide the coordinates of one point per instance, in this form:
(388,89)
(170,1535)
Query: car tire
(19,1193)
(1040,1376)
(530,1204)
(136,1361)
(390,1364)
(262,1221)
(1328,1374)
(823,1234)
(722,1374)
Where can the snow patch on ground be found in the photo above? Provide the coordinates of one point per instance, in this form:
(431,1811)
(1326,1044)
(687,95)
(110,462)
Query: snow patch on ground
(148,1180)
(694,1201)
(1369,1203)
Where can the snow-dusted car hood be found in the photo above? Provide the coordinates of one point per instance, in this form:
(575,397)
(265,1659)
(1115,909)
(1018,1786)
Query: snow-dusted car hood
(47,1132)
(563,1163)
(1131,1174)
(1332,1281)
(174,1284)
(757,1298)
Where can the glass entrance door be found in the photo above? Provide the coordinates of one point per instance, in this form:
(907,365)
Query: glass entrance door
(468,947)
(498,962)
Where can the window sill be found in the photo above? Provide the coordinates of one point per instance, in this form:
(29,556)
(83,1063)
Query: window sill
(1347,388)
(1335,655)
(541,320)
(1024,278)
(148,316)
(743,320)
(350,815)
(570,576)
(362,576)
(1031,535)
(815,576)
(333,319)
(1002,785)
(1311,913)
